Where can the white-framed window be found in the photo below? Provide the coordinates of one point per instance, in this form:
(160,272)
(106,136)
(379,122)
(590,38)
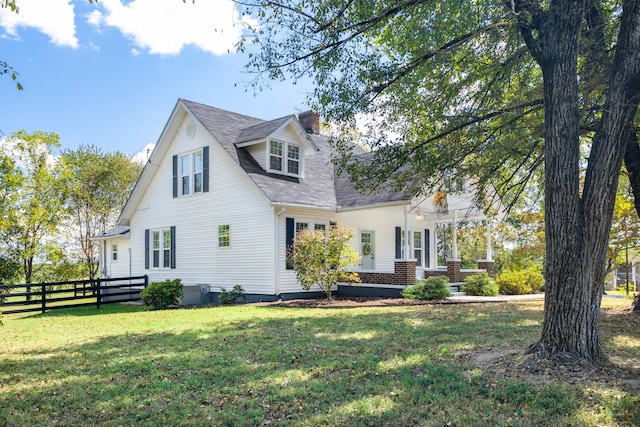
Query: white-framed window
(161,248)
(224,236)
(319,226)
(293,159)
(114,252)
(191,166)
(285,158)
(417,247)
(301,226)
(306,225)
(275,156)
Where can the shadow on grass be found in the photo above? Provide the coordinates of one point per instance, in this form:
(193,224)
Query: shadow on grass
(295,367)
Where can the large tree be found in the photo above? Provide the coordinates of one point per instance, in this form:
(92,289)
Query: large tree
(38,207)
(493,89)
(98,185)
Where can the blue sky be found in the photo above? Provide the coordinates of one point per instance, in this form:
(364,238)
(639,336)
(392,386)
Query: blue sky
(110,73)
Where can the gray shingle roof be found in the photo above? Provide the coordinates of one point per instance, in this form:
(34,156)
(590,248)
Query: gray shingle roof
(320,186)
(261,130)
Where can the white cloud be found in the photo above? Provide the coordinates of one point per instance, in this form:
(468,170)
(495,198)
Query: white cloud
(166,26)
(143,155)
(55,18)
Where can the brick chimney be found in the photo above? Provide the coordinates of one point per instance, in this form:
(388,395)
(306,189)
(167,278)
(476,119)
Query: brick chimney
(310,121)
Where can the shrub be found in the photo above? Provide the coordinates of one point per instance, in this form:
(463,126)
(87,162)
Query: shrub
(231,297)
(162,295)
(430,289)
(323,259)
(481,285)
(520,282)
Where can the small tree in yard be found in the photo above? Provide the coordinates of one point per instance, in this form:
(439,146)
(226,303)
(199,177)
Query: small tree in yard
(322,259)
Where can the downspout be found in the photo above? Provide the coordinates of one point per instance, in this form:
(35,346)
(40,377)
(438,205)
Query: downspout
(276,252)
(406,234)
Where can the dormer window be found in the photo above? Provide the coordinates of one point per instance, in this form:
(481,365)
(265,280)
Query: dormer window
(275,156)
(293,159)
(277,152)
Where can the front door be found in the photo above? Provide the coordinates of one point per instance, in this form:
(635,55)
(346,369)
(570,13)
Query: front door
(367,249)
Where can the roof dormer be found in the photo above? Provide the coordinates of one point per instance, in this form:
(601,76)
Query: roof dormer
(279,145)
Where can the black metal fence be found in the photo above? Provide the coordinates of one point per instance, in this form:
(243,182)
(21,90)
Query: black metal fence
(73,293)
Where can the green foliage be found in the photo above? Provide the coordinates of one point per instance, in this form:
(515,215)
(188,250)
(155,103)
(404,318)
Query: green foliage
(480,284)
(98,185)
(322,259)
(430,289)
(36,213)
(9,271)
(231,297)
(520,282)
(162,295)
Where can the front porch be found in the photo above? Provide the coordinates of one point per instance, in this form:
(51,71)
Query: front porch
(391,284)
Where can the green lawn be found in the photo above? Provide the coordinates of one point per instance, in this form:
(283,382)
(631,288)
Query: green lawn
(248,365)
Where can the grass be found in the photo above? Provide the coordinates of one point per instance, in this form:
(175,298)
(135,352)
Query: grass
(248,365)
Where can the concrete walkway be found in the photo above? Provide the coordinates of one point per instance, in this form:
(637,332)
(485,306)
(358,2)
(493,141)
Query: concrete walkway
(498,298)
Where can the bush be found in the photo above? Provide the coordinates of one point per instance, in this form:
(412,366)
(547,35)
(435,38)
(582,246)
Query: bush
(231,297)
(162,295)
(480,285)
(520,282)
(430,289)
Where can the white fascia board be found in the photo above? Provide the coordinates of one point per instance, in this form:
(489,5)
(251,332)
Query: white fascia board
(150,168)
(375,205)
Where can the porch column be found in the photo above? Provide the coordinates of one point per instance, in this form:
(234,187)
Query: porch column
(489,248)
(454,249)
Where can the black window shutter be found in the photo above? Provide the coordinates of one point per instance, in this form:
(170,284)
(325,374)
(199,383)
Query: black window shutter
(427,254)
(205,169)
(290,230)
(172,230)
(146,249)
(175,176)
(398,243)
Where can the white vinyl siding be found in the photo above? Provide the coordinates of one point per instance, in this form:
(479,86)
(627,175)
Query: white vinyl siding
(233,199)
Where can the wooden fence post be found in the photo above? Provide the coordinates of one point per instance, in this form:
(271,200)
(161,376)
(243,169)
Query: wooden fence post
(99,293)
(43,295)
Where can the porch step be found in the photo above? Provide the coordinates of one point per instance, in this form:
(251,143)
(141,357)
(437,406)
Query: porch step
(454,288)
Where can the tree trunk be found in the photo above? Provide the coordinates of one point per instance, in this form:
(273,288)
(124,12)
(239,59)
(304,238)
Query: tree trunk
(577,229)
(567,324)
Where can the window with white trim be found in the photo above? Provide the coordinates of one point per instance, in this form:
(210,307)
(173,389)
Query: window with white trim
(161,248)
(285,158)
(191,166)
(301,226)
(114,252)
(417,247)
(293,159)
(224,235)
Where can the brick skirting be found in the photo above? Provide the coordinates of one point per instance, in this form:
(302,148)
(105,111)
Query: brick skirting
(404,274)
